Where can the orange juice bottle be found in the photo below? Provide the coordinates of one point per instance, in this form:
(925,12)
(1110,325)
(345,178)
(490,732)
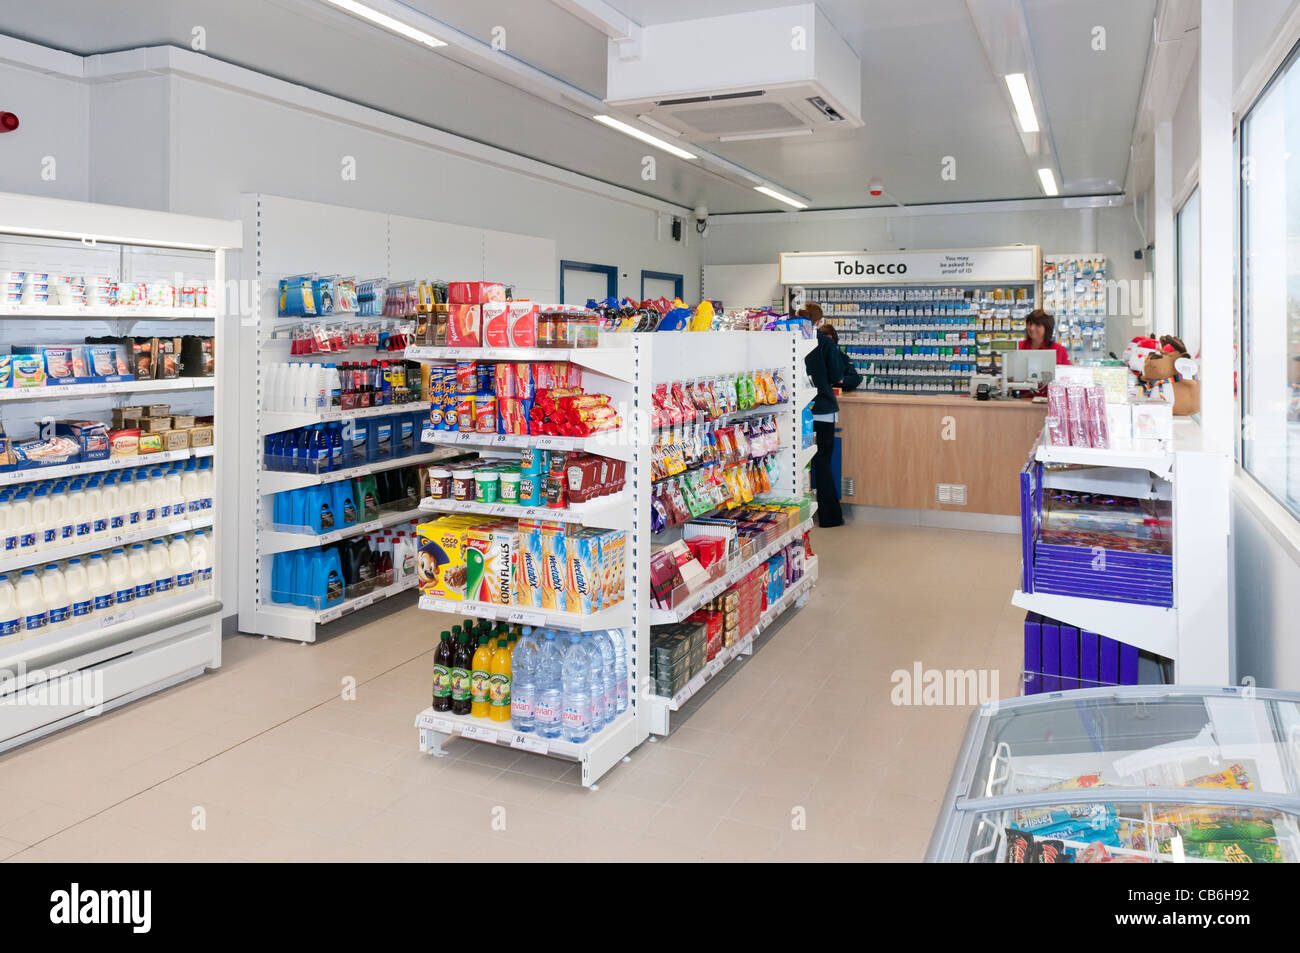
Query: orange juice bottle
(499,682)
(478,679)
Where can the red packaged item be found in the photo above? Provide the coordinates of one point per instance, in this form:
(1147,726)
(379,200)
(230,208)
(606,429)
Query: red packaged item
(504,382)
(465,415)
(496,324)
(523,373)
(485,414)
(1058,412)
(1098,423)
(687,406)
(1076,398)
(511,415)
(523,324)
(475,292)
(465,325)
(466,377)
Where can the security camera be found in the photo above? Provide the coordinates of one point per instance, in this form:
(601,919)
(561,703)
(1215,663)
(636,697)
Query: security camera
(702,219)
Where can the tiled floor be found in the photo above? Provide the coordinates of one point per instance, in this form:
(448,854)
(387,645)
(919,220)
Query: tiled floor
(800,755)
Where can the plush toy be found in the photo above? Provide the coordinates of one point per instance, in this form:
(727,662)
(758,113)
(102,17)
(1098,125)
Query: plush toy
(1169,373)
(1136,351)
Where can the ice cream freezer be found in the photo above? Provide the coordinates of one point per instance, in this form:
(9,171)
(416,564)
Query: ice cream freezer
(1134,774)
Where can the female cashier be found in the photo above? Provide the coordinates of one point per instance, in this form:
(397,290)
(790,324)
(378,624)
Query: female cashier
(1038,335)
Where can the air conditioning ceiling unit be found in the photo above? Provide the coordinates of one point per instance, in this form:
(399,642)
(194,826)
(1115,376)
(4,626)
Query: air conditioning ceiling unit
(777,72)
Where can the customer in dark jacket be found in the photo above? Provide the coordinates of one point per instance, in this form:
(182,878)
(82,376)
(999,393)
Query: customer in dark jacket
(823,366)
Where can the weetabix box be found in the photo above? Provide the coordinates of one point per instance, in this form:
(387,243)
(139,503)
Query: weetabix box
(584,585)
(529,566)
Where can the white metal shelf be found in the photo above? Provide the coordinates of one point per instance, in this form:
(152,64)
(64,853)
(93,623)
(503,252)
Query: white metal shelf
(727,579)
(103,542)
(122,312)
(803,456)
(274,541)
(276,421)
(606,443)
(617,616)
(31,474)
(276,481)
(597,754)
(299,622)
(1153,628)
(56,391)
(743,646)
(612,358)
(613,512)
(155,610)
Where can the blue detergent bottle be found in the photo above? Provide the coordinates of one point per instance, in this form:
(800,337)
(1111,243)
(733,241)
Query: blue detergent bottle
(326,578)
(345,507)
(282,577)
(300,578)
(320,509)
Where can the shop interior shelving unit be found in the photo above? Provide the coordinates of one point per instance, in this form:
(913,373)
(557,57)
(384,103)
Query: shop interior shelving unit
(628,367)
(60,677)
(286,237)
(1194,632)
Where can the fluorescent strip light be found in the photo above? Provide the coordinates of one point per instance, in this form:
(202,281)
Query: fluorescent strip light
(1024,103)
(766,135)
(636,133)
(1048,179)
(387,22)
(773,193)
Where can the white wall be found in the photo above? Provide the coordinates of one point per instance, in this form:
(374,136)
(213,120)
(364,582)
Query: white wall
(1266,591)
(739,239)
(53,113)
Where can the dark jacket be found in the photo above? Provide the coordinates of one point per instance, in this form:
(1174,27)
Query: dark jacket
(823,366)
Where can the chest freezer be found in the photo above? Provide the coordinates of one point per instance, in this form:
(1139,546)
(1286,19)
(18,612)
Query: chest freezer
(1133,774)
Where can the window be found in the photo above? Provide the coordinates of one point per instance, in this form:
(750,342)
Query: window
(1270,237)
(1188,244)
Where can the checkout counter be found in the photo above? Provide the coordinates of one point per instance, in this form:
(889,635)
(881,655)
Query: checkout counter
(896,449)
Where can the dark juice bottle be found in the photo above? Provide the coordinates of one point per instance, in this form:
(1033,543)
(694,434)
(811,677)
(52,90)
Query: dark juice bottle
(444,657)
(462,664)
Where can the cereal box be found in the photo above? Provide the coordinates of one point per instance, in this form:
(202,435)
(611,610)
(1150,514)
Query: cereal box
(528,569)
(583,585)
(555,571)
(443,569)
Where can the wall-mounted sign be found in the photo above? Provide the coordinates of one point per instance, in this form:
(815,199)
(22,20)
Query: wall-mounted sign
(1017,263)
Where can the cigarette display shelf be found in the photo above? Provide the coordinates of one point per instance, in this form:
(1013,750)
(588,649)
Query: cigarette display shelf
(64,675)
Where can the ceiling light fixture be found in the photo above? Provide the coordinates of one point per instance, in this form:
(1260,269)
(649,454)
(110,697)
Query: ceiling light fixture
(388,23)
(636,133)
(773,193)
(1048,178)
(1018,87)
(766,135)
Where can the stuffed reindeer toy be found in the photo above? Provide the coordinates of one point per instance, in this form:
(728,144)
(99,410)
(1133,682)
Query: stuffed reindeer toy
(1168,373)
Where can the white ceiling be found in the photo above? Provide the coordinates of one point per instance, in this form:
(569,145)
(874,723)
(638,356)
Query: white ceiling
(928,90)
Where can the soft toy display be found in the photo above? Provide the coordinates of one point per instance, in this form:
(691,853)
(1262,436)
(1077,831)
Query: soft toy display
(1166,372)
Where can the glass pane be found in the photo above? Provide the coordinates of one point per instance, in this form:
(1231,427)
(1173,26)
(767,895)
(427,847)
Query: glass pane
(1171,740)
(1189,274)
(1271,288)
(1111,832)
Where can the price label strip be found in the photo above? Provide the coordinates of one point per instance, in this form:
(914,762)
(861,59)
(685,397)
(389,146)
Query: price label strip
(527,742)
(478,733)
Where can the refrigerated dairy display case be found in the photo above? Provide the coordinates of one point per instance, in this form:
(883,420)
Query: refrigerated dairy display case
(1135,774)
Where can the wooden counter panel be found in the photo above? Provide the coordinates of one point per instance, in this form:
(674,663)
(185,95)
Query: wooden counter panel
(895,451)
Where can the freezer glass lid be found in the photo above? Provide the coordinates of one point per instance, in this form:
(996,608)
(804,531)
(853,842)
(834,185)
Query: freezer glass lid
(1170,738)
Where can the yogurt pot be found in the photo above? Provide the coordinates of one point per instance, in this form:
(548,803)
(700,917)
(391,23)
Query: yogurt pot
(487,485)
(509,490)
(440,487)
(462,483)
